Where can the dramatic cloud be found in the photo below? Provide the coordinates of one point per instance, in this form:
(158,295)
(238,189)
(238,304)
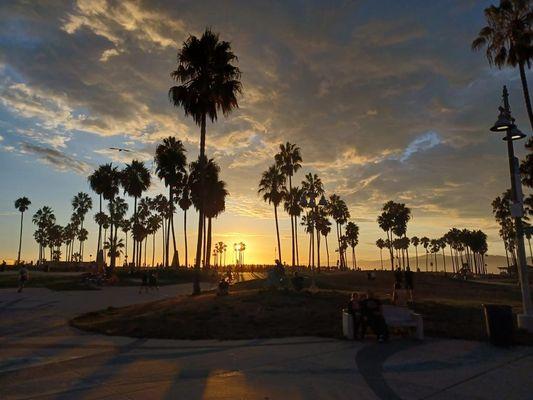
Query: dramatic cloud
(386,101)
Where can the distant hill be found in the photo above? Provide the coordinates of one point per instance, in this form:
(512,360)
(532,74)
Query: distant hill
(492,261)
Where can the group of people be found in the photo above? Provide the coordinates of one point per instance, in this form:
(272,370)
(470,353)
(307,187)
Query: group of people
(403,286)
(149,281)
(366,312)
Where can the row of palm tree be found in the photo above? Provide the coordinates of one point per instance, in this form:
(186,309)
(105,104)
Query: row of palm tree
(467,247)
(307,201)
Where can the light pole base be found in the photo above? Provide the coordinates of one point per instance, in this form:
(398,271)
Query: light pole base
(525,321)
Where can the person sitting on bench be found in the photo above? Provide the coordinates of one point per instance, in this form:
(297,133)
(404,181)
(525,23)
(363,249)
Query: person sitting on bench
(373,316)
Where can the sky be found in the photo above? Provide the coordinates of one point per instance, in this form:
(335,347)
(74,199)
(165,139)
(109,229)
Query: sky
(385,99)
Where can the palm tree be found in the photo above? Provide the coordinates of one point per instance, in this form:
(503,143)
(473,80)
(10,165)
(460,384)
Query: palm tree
(81,203)
(97,182)
(380,243)
(44,218)
(415,241)
(272,187)
(442,245)
(313,189)
(508,39)
(185,203)
(323,226)
(288,160)
(293,207)
(135,179)
(352,239)
(425,243)
(208,83)
(21,204)
(435,247)
(125,226)
(111,182)
(163,209)
(216,204)
(153,224)
(339,212)
(170,162)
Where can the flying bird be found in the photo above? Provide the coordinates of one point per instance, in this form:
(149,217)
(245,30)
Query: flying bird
(120,149)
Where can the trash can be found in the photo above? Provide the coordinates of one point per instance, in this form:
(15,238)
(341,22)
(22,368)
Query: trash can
(499,324)
(347,325)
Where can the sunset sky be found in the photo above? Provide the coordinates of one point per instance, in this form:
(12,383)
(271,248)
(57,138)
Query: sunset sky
(385,99)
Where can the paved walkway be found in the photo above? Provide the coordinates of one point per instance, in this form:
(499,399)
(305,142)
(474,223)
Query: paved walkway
(41,357)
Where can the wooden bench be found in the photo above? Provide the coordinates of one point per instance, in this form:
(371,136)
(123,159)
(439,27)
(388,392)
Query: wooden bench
(402,317)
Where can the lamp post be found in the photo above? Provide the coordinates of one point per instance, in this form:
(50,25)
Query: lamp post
(505,123)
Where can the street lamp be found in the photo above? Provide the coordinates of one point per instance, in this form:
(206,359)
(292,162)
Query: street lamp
(505,123)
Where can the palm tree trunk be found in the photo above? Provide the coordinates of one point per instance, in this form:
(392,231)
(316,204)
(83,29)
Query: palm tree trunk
(525,89)
(327,248)
(391,250)
(196,282)
(318,249)
(296,240)
(444,259)
(99,231)
(81,227)
(176,253)
(208,249)
(277,232)
(204,244)
(163,241)
(134,251)
(20,236)
(292,226)
(145,246)
(309,253)
(416,252)
(185,238)
(170,218)
(381,257)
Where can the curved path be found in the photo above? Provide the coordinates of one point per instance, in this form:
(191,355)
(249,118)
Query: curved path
(41,357)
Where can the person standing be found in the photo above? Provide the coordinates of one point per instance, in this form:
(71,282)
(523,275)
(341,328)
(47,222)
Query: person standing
(409,282)
(23,277)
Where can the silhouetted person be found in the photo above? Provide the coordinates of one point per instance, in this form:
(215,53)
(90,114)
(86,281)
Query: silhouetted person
(23,277)
(354,308)
(398,276)
(3,266)
(409,282)
(373,315)
(144,282)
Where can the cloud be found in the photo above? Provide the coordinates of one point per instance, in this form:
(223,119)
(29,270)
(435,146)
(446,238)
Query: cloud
(55,158)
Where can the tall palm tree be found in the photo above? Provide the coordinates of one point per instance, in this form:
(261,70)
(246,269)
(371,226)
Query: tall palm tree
(508,38)
(216,204)
(208,83)
(415,241)
(293,207)
(163,209)
(44,218)
(170,162)
(185,203)
(97,182)
(380,243)
(81,203)
(272,187)
(352,239)
(313,188)
(153,224)
(288,160)
(425,244)
(112,178)
(21,204)
(125,226)
(135,179)
(324,227)
(339,212)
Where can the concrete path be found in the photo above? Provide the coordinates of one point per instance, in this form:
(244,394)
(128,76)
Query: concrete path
(41,357)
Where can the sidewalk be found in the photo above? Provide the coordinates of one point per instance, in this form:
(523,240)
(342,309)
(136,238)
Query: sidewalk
(42,357)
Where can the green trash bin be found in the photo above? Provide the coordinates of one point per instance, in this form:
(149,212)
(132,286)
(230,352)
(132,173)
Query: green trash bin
(499,324)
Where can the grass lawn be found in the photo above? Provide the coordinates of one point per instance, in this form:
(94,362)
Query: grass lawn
(73,281)
(450,308)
